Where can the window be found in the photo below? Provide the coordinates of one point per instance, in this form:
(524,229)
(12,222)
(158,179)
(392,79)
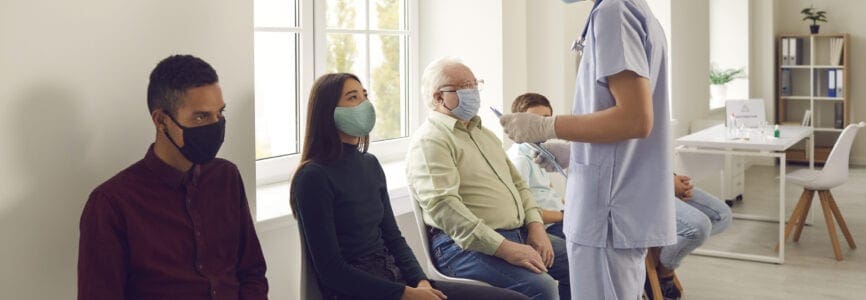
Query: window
(295,42)
(276,36)
(368,38)
(729,47)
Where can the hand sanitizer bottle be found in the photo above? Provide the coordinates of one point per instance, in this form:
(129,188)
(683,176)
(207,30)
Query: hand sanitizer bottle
(776,131)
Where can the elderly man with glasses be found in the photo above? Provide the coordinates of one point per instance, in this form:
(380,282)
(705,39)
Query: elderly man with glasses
(482,220)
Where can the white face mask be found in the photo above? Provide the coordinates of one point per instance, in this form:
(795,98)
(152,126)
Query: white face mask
(470,102)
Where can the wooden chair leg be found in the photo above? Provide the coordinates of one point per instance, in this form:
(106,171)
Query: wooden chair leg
(799,229)
(652,275)
(831,226)
(839,219)
(795,216)
(652,263)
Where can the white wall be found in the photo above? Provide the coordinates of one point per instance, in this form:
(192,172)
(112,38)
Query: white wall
(472,31)
(689,65)
(74,76)
(844,17)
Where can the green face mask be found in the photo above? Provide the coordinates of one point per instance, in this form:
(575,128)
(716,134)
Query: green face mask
(356,121)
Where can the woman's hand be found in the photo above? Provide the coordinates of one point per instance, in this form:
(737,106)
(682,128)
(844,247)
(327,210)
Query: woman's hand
(424,291)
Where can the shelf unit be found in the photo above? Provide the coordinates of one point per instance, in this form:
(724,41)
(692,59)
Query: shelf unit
(808,90)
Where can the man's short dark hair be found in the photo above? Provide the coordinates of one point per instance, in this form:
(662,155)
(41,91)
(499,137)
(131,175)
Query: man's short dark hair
(529,100)
(172,77)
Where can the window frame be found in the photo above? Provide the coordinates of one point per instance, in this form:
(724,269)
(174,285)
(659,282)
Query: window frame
(311,62)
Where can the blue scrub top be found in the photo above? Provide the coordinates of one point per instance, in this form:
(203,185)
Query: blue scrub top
(624,187)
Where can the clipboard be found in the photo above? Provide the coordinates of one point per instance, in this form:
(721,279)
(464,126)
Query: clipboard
(537,147)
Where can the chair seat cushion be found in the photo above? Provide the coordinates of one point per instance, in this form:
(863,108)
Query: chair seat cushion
(812,179)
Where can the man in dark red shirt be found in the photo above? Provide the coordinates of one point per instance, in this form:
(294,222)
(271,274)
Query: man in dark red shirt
(176,224)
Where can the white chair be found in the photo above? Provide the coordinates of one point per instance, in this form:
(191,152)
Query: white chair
(834,174)
(309,279)
(432,272)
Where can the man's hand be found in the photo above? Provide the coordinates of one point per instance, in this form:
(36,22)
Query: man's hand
(528,128)
(538,239)
(561,151)
(683,187)
(423,292)
(520,255)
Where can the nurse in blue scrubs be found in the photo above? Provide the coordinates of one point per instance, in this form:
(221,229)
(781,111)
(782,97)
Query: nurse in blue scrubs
(618,200)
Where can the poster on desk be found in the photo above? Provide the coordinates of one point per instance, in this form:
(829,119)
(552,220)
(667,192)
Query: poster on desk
(748,113)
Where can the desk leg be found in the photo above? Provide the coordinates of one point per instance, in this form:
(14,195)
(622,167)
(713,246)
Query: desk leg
(782,175)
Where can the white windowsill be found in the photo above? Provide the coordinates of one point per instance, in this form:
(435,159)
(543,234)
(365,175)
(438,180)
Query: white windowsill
(272,200)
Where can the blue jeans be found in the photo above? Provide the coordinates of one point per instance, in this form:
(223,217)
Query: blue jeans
(453,261)
(697,219)
(556,229)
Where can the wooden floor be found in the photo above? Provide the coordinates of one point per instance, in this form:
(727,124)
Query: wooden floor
(810,270)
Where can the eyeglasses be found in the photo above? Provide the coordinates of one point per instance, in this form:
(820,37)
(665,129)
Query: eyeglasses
(477,84)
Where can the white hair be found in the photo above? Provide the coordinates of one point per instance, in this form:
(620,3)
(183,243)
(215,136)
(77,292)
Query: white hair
(435,77)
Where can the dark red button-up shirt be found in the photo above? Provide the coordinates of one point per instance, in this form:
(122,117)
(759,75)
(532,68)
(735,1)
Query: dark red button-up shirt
(153,232)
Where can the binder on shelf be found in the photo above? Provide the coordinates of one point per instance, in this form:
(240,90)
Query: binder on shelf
(831,83)
(786,82)
(836,45)
(786,52)
(796,51)
(839,83)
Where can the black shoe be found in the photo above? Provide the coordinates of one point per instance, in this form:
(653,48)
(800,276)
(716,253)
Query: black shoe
(669,289)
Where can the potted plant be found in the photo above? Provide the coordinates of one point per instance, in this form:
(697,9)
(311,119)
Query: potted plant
(719,79)
(815,16)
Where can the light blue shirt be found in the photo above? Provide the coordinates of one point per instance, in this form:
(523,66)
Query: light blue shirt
(536,178)
(622,187)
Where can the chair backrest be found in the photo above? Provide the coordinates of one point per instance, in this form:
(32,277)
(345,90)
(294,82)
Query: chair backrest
(836,167)
(309,279)
(432,271)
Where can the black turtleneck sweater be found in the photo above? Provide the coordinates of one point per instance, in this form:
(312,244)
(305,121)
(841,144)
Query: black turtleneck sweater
(344,212)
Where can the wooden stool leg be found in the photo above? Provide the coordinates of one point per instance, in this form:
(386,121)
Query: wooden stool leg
(652,275)
(841,221)
(831,226)
(799,229)
(795,216)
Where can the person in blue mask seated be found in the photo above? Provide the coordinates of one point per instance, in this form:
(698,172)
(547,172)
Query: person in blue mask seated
(523,157)
(483,221)
(340,198)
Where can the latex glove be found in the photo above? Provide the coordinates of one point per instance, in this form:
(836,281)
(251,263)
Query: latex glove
(528,128)
(560,149)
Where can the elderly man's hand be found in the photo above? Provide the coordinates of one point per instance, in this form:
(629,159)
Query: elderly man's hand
(528,128)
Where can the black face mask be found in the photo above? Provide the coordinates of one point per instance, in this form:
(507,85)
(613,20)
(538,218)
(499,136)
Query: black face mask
(200,144)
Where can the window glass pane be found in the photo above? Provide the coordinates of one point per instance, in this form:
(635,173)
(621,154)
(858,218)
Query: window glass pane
(275,93)
(387,86)
(387,14)
(348,53)
(274,13)
(346,14)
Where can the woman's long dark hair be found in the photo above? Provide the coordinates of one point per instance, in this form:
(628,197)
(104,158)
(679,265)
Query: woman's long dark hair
(322,142)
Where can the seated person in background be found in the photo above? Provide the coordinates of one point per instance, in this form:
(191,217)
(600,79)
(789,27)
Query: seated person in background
(699,215)
(341,201)
(523,157)
(484,222)
(176,224)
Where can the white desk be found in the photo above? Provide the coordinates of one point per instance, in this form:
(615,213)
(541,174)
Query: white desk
(714,142)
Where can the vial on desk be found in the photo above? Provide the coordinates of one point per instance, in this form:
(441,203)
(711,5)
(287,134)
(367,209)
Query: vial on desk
(776,131)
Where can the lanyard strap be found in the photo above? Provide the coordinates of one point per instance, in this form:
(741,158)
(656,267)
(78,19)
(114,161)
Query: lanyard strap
(589,17)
